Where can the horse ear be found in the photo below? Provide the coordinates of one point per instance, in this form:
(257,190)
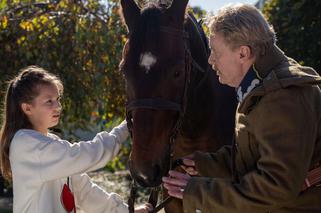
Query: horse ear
(131,13)
(178,8)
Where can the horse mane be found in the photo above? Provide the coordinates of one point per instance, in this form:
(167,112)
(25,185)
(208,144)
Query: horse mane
(200,30)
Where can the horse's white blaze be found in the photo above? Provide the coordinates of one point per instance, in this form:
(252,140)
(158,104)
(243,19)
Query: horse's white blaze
(147,60)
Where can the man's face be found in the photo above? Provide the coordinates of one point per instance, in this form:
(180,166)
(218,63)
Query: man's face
(225,61)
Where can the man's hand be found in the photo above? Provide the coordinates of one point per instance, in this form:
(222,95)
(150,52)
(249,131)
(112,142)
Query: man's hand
(176,183)
(189,166)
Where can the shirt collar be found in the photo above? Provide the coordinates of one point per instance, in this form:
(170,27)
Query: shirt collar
(250,81)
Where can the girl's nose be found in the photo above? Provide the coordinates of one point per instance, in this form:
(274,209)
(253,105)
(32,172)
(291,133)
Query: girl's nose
(58,106)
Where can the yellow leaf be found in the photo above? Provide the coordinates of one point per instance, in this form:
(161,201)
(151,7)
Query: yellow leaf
(123,39)
(21,40)
(28,26)
(4,22)
(62,4)
(56,30)
(35,23)
(43,19)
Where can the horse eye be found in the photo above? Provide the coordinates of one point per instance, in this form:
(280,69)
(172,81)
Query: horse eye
(177,73)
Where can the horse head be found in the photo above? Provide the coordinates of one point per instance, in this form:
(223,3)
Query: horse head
(155,66)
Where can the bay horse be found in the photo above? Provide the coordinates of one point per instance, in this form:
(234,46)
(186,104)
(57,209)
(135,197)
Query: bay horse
(176,104)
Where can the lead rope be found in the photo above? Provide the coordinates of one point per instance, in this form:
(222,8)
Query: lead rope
(132,197)
(153,197)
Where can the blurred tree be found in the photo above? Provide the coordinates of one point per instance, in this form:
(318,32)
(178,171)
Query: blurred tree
(298,27)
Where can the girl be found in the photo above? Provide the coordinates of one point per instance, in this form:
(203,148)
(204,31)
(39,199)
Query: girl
(48,172)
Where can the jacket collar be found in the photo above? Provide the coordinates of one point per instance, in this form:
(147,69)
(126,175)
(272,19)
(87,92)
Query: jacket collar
(271,58)
(277,71)
(263,67)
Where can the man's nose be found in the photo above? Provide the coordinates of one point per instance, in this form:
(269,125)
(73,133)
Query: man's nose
(211,59)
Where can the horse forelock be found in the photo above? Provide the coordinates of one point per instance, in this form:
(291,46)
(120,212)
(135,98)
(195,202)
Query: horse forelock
(146,33)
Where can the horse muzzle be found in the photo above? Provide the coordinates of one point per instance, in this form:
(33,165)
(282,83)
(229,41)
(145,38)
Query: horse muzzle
(148,174)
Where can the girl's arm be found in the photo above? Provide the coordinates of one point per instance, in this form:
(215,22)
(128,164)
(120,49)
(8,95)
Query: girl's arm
(91,198)
(54,158)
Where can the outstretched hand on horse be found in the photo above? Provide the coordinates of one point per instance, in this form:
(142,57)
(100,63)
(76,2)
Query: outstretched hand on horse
(144,208)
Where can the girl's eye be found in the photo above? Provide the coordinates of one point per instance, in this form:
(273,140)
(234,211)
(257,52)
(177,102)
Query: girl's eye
(49,101)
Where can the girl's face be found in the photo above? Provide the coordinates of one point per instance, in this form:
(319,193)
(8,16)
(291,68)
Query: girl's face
(45,109)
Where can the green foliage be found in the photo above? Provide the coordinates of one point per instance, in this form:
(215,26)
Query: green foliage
(120,161)
(198,12)
(80,42)
(298,27)
(200,15)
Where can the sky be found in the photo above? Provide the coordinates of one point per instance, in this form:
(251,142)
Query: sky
(214,5)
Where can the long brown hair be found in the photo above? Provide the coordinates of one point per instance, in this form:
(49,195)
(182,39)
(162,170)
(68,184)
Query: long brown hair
(22,89)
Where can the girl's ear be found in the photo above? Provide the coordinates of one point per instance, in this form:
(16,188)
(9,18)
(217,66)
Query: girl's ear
(26,108)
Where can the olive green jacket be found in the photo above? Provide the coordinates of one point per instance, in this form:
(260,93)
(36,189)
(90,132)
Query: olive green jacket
(277,141)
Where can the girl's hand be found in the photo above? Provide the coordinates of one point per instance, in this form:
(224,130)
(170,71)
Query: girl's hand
(176,183)
(144,208)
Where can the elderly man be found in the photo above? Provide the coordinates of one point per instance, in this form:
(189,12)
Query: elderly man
(274,163)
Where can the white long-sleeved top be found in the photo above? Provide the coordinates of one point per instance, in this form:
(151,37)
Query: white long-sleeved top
(41,164)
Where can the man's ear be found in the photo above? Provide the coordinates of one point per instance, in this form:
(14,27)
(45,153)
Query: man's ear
(245,53)
(26,108)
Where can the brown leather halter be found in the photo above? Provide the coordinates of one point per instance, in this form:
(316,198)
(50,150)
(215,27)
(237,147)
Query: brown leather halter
(163,104)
